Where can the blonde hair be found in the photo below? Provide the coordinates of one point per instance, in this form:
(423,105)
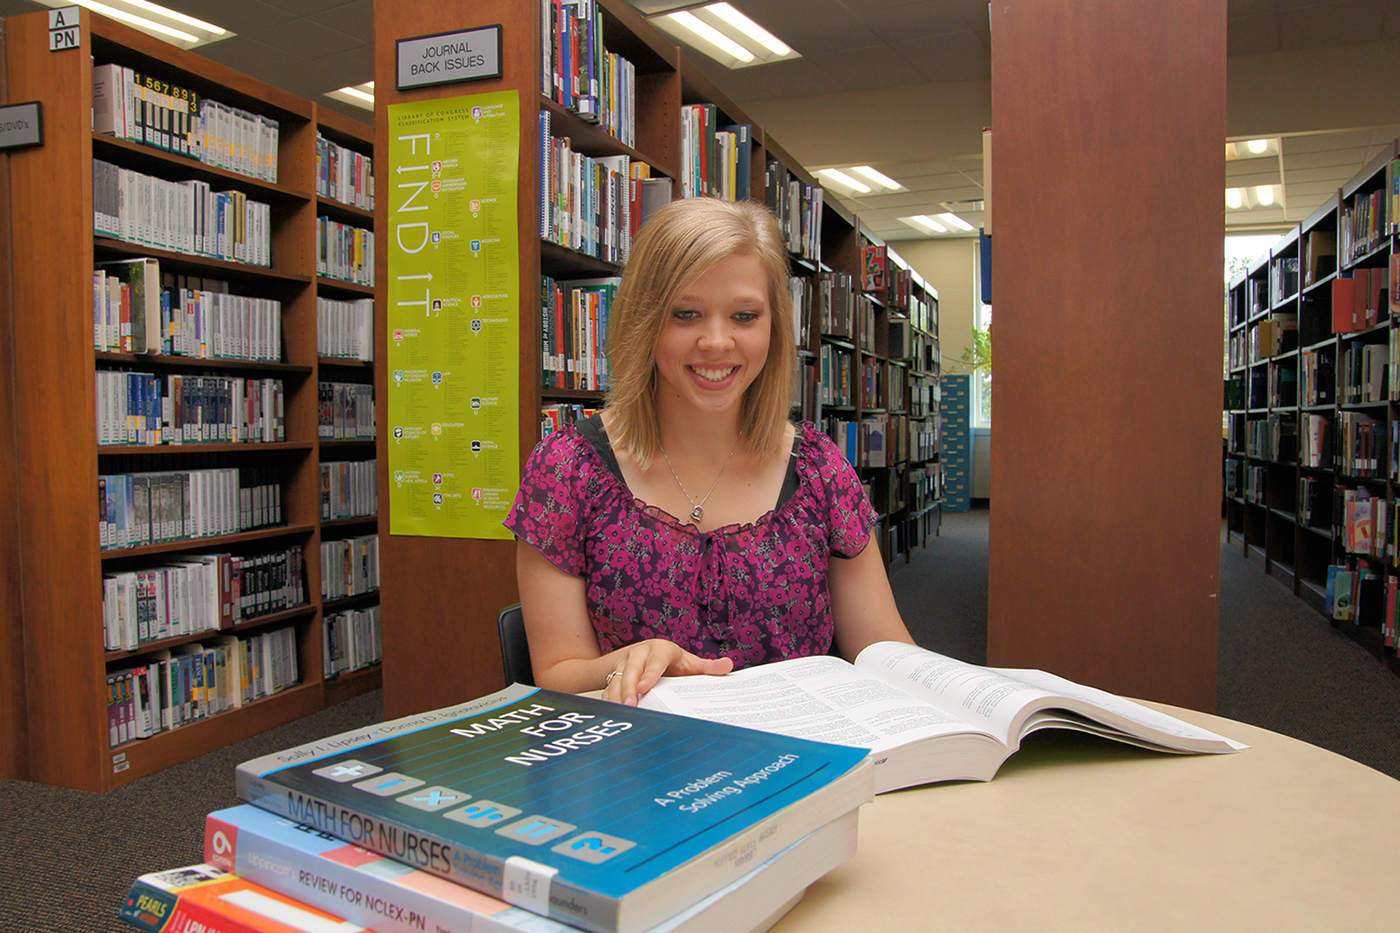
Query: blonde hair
(678,243)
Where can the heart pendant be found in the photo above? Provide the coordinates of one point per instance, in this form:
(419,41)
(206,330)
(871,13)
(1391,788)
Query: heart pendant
(696,514)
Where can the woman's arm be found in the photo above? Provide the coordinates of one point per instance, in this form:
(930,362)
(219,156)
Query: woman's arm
(862,605)
(564,649)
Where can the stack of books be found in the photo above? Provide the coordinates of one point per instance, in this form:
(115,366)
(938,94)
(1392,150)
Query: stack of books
(527,811)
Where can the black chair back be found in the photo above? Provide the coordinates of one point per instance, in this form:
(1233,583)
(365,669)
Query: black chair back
(515,649)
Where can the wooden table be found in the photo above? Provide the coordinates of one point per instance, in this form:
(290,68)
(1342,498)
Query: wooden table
(1080,834)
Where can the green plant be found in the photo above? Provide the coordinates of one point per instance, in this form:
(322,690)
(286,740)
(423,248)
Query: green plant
(978,357)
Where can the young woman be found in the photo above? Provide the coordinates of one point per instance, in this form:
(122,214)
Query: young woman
(690,528)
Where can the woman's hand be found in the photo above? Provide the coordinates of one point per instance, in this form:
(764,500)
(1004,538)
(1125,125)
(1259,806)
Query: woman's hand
(636,668)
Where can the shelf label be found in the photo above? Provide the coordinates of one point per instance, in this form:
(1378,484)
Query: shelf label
(22,125)
(64,29)
(453,315)
(449,57)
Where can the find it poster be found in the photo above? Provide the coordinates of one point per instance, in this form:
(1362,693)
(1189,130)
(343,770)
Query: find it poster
(453,315)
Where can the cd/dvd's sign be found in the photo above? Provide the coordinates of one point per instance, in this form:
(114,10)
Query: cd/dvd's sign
(448,57)
(21,125)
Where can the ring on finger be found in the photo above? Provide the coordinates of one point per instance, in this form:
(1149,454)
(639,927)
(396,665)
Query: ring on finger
(611,676)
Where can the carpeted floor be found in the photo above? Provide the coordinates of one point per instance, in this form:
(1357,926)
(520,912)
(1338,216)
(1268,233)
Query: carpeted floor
(68,856)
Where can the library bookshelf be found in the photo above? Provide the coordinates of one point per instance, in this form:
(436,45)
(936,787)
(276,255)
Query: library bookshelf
(59,373)
(441,596)
(1312,427)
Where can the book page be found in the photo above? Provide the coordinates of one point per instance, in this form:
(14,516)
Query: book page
(1169,727)
(820,698)
(986,698)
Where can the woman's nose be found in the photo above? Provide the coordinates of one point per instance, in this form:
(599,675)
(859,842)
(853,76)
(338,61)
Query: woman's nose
(715,334)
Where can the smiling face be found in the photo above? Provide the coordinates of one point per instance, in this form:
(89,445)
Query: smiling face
(714,342)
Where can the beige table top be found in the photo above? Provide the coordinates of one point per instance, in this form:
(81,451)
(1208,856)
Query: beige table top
(1083,834)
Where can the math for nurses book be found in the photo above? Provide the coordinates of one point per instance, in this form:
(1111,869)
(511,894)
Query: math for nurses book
(606,817)
(387,896)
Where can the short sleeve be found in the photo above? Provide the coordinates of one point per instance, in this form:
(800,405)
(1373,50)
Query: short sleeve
(548,510)
(849,513)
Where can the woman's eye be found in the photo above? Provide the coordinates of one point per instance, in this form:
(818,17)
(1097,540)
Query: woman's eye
(684,314)
(746,316)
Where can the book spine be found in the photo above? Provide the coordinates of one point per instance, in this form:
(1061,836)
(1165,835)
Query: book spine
(149,908)
(306,870)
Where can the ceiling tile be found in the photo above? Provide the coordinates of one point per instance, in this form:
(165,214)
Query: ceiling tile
(917,20)
(796,77)
(250,57)
(299,35)
(1253,35)
(355,18)
(243,17)
(305,7)
(812,27)
(1341,22)
(953,57)
(1246,8)
(314,78)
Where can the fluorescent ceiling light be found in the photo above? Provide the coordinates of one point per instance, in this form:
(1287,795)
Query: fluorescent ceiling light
(361,95)
(877,177)
(749,28)
(1234,198)
(159,10)
(1264,195)
(1251,148)
(154,20)
(844,180)
(925,223)
(723,33)
(953,220)
(710,34)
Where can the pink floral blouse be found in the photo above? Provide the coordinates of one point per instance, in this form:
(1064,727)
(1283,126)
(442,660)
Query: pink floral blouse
(754,592)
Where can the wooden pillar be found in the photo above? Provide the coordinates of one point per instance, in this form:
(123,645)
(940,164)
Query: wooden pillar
(439,596)
(14,748)
(1109,175)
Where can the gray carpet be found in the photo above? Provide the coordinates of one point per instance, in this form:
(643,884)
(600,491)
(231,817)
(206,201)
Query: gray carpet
(68,856)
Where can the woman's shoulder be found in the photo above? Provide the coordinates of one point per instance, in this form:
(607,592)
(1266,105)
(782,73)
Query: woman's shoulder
(815,446)
(563,451)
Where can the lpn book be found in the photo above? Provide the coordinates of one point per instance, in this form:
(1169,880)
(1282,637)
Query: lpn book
(606,817)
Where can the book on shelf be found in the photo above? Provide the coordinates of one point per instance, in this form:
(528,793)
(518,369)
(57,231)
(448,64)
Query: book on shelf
(606,817)
(656,193)
(141,314)
(206,899)
(874,271)
(922,716)
(392,897)
(742,133)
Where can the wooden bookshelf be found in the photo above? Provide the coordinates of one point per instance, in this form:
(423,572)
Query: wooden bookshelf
(1311,407)
(59,460)
(441,595)
(357,137)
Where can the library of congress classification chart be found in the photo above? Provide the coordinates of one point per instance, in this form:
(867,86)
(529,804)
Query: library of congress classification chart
(453,315)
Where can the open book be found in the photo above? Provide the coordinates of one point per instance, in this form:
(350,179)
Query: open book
(925,717)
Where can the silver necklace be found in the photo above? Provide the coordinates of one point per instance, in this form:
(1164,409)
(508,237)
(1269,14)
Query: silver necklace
(698,510)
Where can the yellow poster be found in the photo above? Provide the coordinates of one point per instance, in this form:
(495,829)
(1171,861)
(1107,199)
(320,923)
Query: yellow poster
(453,315)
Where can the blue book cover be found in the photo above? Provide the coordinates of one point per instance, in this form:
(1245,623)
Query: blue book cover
(606,817)
(327,873)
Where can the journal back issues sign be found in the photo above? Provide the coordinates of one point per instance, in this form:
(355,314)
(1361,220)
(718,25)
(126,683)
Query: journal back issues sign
(448,57)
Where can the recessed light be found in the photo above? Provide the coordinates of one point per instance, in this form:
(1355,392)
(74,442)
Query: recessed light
(154,20)
(710,34)
(749,28)
(844,180)
(953,220)
(877,177)
(925,223)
